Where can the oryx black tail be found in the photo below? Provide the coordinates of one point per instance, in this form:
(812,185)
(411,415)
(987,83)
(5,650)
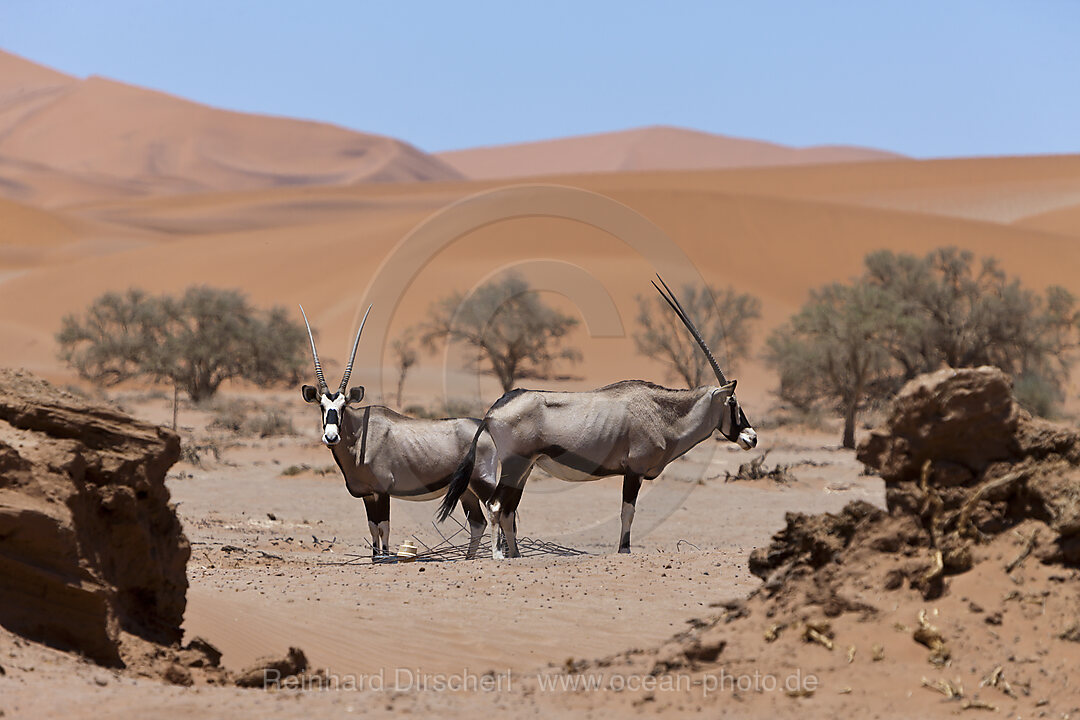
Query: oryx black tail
(459,482)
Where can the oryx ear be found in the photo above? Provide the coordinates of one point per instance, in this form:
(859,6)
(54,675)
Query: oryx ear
(356,394)
(310,393)
(729,389)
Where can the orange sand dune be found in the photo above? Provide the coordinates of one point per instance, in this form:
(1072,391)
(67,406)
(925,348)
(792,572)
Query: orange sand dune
(994,189)
(322,246)
(1064,220)
(43,186)
(20,78)
(35,237)
(649,148)
(997,190)
(30,227)
(142,142)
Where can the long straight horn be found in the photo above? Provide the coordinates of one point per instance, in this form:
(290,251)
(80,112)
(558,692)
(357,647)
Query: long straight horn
(678,308)
(348,368)
(314,353)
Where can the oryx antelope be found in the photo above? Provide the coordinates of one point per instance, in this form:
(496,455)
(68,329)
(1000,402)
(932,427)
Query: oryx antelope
(632,428)
(383,454)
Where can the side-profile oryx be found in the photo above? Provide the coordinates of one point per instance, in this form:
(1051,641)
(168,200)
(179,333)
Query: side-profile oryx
(631,428)
(383,454)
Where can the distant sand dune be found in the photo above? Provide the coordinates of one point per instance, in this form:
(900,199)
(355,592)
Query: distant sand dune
(649,148)
(131,141)
(1063,220)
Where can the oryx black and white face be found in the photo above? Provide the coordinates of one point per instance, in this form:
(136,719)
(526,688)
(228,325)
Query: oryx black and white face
(332,403)
(332,406)
(733,423)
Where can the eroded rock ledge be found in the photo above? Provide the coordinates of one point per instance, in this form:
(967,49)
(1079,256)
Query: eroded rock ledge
(91,551)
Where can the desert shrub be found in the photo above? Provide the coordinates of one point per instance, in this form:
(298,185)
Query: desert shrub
(238,416)
(229,415)
(812,417)
(294,470)
(194,452)
(450,409)
(271,423)
(195,341)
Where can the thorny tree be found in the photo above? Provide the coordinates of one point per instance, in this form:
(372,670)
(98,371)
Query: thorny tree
(513,331)
(196,341)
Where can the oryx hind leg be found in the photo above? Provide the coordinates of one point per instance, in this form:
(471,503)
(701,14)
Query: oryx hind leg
(630,486)
(504,503)
(378,515)
(474,513)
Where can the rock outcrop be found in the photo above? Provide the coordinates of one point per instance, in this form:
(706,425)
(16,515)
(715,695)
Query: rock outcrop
(962,464)
(91,551)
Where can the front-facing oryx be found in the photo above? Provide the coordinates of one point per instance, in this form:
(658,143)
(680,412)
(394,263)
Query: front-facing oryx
(632,428)
(383,454)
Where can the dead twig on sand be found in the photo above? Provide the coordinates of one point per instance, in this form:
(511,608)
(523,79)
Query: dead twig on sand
(928,635)
(963,524)
(1029,546)
(996,679)
(978,705)
(755,470)
(817,633)
(944,687)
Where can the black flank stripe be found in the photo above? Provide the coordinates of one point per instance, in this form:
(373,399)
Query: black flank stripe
(439,484)
(576,462)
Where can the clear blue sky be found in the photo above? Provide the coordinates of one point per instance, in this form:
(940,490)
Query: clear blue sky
(937,78)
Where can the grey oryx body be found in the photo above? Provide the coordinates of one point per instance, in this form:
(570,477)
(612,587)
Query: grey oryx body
(383,454)
(631,428)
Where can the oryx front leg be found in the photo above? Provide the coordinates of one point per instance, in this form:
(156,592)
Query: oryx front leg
(631,485)
(378,514)
(474,513)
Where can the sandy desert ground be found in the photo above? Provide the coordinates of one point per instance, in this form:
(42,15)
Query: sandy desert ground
(281,559)
(139,196)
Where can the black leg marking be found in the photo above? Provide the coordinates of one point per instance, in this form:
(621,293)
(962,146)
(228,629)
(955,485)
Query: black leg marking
(508,499)
(515,471)
(474,513)
(378,514)
(630,486)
